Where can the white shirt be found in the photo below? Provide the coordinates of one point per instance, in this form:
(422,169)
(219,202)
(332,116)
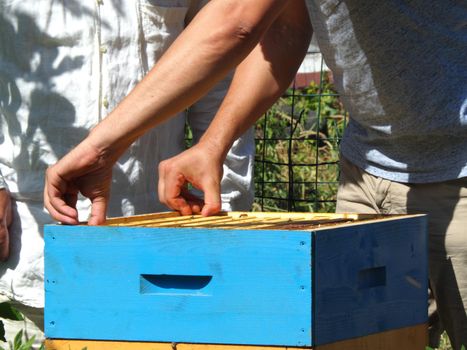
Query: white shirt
(64,65)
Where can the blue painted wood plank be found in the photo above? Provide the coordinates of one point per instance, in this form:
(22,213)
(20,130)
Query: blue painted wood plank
(369,279)
(178,285)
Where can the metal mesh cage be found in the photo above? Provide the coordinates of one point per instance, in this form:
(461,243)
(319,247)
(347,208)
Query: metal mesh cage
(297,142)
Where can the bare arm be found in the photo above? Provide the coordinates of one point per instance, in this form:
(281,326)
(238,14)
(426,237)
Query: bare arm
(217,40)
(259,80)
(5,222)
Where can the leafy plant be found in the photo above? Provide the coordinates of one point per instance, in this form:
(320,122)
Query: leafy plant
(444,344)
(447,348)
(8,312)
(18,343)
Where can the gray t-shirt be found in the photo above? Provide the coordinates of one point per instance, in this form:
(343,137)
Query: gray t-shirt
(401,69)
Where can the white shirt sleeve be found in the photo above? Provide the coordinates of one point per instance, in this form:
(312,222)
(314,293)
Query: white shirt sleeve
(2,182)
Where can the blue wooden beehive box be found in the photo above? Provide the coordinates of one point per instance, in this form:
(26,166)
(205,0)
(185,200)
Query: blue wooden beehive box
(273,279)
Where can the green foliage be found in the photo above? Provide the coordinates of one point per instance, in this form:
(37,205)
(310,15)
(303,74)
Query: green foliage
(297,150)
(444,344)
(8,312)
(19,344)
(445,347)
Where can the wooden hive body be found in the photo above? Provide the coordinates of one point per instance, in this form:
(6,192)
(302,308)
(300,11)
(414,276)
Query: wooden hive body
(261,279)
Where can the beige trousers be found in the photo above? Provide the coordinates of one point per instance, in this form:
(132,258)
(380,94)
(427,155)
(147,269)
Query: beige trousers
(446,206)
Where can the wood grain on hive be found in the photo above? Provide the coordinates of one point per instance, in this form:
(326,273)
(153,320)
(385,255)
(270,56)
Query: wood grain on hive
(409,338)
(243,279)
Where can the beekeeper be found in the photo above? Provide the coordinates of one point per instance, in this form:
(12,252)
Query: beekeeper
(63,67)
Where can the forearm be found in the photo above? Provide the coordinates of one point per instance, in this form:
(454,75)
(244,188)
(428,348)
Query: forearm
(262,77)
(216,41)
(258,81)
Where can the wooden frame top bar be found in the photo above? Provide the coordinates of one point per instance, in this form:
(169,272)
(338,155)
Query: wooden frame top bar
(247,220)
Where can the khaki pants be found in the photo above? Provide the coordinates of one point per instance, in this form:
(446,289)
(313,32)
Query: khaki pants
(446,206)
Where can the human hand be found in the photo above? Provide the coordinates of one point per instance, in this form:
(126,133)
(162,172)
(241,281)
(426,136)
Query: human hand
(199,167)
(5,221)
(84,170)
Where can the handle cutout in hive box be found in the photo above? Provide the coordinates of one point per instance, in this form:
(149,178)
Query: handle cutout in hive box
(174,284)
(372,277)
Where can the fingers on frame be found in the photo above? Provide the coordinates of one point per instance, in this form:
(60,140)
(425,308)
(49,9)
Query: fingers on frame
(98,211)
(59,209)
(4,242)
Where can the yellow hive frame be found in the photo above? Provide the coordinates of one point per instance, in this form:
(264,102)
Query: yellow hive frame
(246,220)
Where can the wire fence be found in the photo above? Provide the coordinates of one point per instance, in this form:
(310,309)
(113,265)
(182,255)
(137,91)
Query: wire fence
(297,148)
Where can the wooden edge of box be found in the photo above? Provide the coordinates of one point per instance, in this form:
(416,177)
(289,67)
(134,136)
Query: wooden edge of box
(138,219)
(365,219)
(408,338)
(58,344)
(354,218)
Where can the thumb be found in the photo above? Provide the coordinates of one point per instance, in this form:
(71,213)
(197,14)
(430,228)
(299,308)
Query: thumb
(212,199)
(98,211)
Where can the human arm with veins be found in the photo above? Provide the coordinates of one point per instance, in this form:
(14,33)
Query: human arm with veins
(173,84)
(258,81)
